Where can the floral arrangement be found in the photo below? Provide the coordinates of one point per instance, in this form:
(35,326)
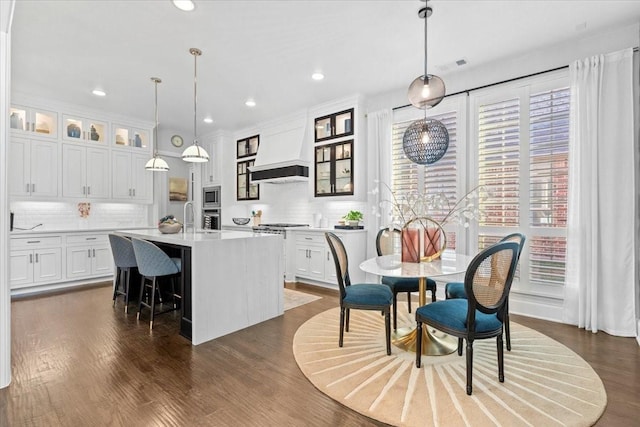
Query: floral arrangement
(436,207)
(257,213)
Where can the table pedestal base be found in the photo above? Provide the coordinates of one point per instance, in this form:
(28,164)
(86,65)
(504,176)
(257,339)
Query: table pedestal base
(434,342)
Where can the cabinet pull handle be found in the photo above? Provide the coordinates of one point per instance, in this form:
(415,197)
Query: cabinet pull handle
(91,238)
(89,253)
(129,192)
(33,188)
(33,126)
(94,253)
(84,189)
(30,258)
(27,188)
(88,190)
(308,238)
(134,192)
(36,257)
(33,241)
(327,256)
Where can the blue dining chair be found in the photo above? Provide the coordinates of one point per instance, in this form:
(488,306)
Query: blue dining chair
(124,259)
(362,296)
(456,289)
(152,264)
(386,245)
(481,315)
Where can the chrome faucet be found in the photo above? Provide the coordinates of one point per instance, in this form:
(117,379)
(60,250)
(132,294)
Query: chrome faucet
(184,216)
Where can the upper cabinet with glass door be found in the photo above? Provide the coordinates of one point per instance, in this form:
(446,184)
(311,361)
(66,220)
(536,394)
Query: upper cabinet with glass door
(334,125)
(334,169)
(76,128)
(128,137)
(33,121)
(247,147)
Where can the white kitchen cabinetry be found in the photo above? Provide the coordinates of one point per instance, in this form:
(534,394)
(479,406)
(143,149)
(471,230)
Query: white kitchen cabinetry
(85,172)
(82,129)
(210,170)
(88,255)
(313,259)
(33,169)
(125,136)
(35,260)
(131,181)
(28,121)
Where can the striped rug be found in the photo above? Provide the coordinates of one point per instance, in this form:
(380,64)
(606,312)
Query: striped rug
(546,384)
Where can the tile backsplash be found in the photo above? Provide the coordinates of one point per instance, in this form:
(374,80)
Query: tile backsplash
(71,216)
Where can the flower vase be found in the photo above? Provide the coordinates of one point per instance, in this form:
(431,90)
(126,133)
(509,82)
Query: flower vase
(256,221)
(410,244)
(434,241)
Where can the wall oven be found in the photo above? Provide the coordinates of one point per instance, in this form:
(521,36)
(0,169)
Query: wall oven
(211,197)
(211,219)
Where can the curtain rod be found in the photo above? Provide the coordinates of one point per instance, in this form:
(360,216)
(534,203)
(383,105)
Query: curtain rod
(635,49)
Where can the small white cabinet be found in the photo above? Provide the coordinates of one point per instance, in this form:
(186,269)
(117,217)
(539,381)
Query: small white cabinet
(82,129)
(35,260)
(29,121)
(125,136)
(85,172)
(313,259)
(88,255)
(131,181)
(33,168)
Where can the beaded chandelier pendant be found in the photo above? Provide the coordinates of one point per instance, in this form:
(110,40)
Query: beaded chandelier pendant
(425,141)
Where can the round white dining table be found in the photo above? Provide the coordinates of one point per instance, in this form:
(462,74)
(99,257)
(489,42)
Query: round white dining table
(434,342)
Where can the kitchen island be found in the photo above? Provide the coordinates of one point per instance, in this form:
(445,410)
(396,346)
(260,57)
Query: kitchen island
(230,279)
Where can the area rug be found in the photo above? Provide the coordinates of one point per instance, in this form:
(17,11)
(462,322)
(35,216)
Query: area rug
(546,384)
(293,299)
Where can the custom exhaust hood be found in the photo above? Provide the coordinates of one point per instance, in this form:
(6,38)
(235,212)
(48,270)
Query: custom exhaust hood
(280,158)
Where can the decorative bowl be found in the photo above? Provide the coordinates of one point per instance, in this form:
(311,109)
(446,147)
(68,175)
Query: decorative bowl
(241,221)
(170,228)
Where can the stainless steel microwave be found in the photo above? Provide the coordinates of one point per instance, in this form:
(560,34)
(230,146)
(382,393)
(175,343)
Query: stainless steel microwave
(211,197)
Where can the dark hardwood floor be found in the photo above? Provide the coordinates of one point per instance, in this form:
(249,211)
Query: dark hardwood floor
(77,361)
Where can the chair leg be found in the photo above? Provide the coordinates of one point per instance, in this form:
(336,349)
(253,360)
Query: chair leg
(469,365)
(142,288)
(116,282)
(348,311)
(342,309)
(154,288)
(418,344)
(387,330)
(460,343)
(507,330)
(500,359)
(409,301)
(395,311)
(126,289)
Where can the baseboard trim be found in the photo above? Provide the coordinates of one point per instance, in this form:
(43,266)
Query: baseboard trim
(34,291)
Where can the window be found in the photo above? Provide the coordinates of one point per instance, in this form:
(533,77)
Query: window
(522,159)
(440,177)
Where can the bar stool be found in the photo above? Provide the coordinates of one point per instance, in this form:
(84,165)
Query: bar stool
(152,264)
(124,258)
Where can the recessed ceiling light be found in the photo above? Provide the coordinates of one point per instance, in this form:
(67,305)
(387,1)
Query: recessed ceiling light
(317,76)
(208,120)
(250,103)
(186,5)
(99,92)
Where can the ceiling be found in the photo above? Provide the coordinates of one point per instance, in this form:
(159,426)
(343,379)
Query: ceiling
(267,50)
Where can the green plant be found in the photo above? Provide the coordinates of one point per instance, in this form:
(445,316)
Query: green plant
(353,216)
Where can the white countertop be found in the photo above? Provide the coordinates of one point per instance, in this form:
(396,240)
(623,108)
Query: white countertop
(191,238)
(72,230)
(295,229)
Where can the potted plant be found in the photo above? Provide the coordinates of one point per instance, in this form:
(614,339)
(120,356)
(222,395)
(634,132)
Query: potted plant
(353,218)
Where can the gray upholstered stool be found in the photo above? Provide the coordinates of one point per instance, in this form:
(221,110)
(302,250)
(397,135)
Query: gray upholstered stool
(124,259)
(152,264)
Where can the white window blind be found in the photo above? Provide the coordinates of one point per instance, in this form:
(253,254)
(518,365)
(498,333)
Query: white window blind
(549,114)
(522,160)
(499,162)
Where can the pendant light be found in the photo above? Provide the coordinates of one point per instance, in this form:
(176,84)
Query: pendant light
(156,164)
(427,90)
(195,153)
(426,141)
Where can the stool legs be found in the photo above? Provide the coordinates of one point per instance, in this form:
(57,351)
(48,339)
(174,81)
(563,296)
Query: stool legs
(123,277)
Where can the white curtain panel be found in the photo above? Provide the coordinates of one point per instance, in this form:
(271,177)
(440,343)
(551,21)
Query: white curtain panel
(378,172)
(601,249)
